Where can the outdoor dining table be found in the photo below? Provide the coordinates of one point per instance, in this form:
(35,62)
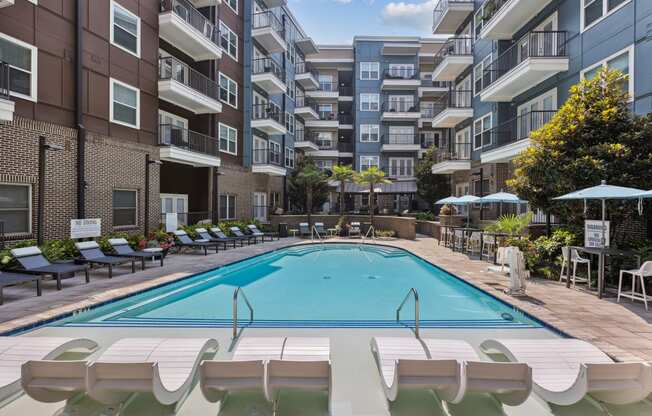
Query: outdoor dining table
(602,253)
(465,232)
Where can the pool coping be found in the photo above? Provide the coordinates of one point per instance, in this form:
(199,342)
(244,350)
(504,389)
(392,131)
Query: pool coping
(173,278)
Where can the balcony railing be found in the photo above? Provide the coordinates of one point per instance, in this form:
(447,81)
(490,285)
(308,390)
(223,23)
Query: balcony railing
(4,80)
(303,101)
(346,90)
(453,99)
(268,19)
(453,151)
(171,135)
(267,111)
(400,139)
(267,157)
(455,47)
(442,7)
(327,86)
(400,73)
(428,112)
(532,45)
(328,115)
(345,118)
(171,68)
(268,66)
(305,68)
(428,82)
(344,147)
(491,7)
(186,11)
(399,106)
(518,128)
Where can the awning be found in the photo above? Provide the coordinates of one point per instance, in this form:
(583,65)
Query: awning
(398,187)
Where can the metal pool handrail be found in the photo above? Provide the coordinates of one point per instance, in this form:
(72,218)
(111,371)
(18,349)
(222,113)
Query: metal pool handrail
(237,292)
(314,231)
(371,230)
(414,292)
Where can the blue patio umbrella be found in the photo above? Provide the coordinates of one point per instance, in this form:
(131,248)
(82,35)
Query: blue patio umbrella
(449,200)
(466,200)
(501,198)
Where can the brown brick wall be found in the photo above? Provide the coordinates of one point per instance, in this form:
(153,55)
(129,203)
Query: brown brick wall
(241,182)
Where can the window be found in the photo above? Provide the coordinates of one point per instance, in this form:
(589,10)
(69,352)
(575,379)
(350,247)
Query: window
(289,122)
(401,103)
(325,140)
(482,132)
(289,157)
(323,164)
(369,102)
(405,71)
(479,75)
(21,58)
(326,83)
(228,139)
(125,208)
(275,153)
(368,161)
(228,91)
(291,90)
(478,21)
(125,104)
(125,29)
(622,61)
(369,133)
(16,208)
(369,70)
(228,41)
(595,10)
(401,167)
(227,207)
(233,4)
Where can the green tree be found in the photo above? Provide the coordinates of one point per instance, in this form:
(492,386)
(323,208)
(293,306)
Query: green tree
(593,136)
(372,177)
(310,182)
(430,187)
(343,174)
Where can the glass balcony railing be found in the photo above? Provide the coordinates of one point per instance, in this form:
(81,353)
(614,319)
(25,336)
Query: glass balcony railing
(172,69)
(516,129)
(267,157)
(171,135)
(186,11)
(268,66)
(268,19)
(267,111)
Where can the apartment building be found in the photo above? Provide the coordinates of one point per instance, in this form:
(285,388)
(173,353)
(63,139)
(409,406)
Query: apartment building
(512,63)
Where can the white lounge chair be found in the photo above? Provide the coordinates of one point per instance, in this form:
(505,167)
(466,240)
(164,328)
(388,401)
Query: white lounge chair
(355,230)
(566,370)
(450,368)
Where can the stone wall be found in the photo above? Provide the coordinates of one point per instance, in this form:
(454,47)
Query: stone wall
(405,227)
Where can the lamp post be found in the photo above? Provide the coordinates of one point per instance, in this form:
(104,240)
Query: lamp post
(148,161)
(43,147)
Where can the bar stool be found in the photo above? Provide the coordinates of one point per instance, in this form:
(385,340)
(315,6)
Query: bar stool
(571,256)
(488,247)
(473,243)
(642,273)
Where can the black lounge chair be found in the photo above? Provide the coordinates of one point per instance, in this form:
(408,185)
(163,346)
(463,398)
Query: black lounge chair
(184,240)
(238,233)
(33,261)
(14,279)
(255,231)
(92,254)
(204,235)
(219,234)
(123,249)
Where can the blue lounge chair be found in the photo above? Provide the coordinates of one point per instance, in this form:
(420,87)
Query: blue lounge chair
(123,249)
(204,235)
(184,240)
(32,260)
(92,254)
(14,279)
(255,231)
(219,234)
(238,233)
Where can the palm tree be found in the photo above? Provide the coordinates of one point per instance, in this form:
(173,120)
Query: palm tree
(343,174)
(372,177)
(310,177)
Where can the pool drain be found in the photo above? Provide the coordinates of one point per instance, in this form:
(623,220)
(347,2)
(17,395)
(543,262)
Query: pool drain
(326,278)
(507,316)
(372,277)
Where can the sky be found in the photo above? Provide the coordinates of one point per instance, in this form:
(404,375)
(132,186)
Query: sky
(337,21)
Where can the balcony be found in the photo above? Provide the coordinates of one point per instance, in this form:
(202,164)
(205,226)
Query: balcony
(400,143)
(450,14)
(332,149)
(400,79)
(509,139)
(400,110)
(206,3)
(527,63)
(453,58)
(187,147)
(183,26)
(304,141)
(268,75)
(268,118)
(6,105)
(346,121)
(307,46)
(270,4)
(268,161)
(453,158)
(325,120)
(327,91)
(306,76)
(503,18)
(306,108)
(186,88)
(269,32)
(430,88)
(6,3)
(452,109)
(346,92)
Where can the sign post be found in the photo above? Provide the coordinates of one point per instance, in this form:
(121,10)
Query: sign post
(171,222)
(85,228)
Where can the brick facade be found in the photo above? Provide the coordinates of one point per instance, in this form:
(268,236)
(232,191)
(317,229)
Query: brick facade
(240,181)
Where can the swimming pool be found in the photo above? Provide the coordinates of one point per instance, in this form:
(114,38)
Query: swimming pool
(312,286)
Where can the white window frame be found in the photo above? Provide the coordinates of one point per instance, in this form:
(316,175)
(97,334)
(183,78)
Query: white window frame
(219,83)
(138,25)
(136,209)
(228,206)
(370,69)
(230,32)
(603,62)
(376,160)
(605,12)
(289,156)
(481,65)
(397,161)
(289,122)
(112,82)
(374,99)
(228,140)
(30,206)
(33,72)
(481,120)
(237,5)
(370,129)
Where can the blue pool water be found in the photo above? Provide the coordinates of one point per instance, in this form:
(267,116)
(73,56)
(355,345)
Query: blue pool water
(331,285)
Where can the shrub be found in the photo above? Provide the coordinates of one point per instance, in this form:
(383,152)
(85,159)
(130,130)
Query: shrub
(425,216)
(385,233)
(511,224)
(6,260)
(543,255)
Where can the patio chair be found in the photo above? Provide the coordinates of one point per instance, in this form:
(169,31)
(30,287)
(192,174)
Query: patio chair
(644,271)
(304,229)
(8,279)
(449,368)
(571,256)
(488,248)
(219,234)
(319,228)
(565,370)
(122,248)
(255,231)
(355,230)
(473,244)
(238,233)
(32,260)
(184,240)
(92,254)
(204,235)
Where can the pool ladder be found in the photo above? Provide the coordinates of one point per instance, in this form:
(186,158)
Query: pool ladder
(314,231)
(371,231)
(413,292)
(236,294)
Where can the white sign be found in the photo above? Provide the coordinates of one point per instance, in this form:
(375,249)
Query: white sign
(593,233)
(171,222)
(86,228)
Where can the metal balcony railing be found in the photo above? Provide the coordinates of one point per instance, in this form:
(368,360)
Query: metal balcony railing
(518,128)
(267,157)
(346,90)
(185,10)
(462,46)
(392,138)
(399,106)
(345,147)
(268,66)
(171,68)
(268,19)
(305,68)
(428,82)
(328,115)
(453,151)
(532,45)
(428,112)
(303,101)
(267,111)
(345,118)
(453,99)
(441,8)
(171,135)
(491,7)
(400,73)
(5,89)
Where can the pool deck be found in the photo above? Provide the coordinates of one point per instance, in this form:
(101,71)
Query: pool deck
(624,331)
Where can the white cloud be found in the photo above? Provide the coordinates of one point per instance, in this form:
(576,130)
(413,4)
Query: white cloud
(415,15)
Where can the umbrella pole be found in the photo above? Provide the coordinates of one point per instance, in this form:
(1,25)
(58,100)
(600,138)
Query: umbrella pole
(604,246)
